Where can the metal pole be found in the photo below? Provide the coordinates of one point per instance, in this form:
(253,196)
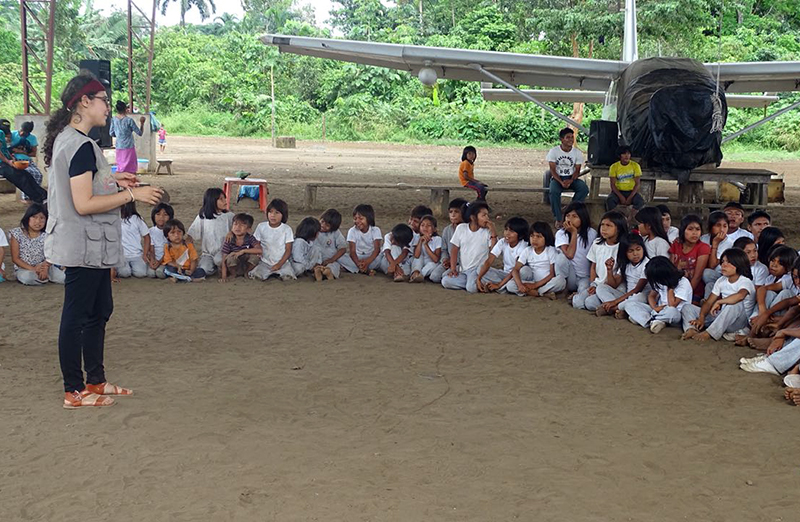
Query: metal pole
(761,122)
(51,28)
(150,60)
(272,89)
(130,55)
(530,98)
(23,25)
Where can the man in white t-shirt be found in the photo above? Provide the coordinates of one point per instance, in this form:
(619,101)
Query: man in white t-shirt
(565,162)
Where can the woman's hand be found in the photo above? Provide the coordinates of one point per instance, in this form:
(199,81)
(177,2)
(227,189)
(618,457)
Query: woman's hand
(149,195)
(126,179)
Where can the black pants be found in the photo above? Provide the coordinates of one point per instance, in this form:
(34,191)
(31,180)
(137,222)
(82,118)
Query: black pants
(24,181)
(87,308)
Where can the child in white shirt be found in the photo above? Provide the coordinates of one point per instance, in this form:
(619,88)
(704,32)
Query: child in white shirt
(729,304)
(719,241)
(395,260)
(535,271)
(306,255)
(651,228)
(276,244)
(666,221)
(210,229)
(470,245)
(626,280)
(671,292)
(331,242)
(613,226)
(573,242)
(515,232)
(364,241)
(160,214)
(3,245)
(135,243)
(758,269)
(428,251)
(454,214)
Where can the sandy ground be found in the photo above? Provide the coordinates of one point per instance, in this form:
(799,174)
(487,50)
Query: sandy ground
(362,399)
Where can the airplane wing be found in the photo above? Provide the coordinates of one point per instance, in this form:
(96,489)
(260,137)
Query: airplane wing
(757,76)
(489,94)
(456,64)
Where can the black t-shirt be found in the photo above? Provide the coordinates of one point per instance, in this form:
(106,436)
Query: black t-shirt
(83,161)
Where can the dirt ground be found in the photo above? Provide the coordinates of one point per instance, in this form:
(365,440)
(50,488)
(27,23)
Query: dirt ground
(362,399)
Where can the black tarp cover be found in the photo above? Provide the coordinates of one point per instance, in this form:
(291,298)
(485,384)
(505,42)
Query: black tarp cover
(666,112)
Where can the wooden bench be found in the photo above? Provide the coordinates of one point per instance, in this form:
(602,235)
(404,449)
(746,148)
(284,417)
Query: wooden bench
(439,194)
(167,164)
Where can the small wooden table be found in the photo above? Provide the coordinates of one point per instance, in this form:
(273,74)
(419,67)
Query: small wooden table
(232,184)
(167,164)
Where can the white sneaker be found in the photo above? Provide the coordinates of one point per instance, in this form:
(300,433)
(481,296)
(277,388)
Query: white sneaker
(792,381)
(762,366)
(631,319)
(755,359)
(657,326)
(729,336)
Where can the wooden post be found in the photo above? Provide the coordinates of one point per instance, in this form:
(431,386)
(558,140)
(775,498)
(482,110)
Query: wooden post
(647,188)
(691,192)
(272,90)
(440,199)
(310,198)
(323,126)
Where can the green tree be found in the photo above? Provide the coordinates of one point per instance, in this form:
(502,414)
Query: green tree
(205,7)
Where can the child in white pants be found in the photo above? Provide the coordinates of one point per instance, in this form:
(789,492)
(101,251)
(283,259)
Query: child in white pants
(395,260)
(364,240)
(613,226)
(729,302)
(470,245)
(515,233)
(330,241)
(428,252)
(535,271)
(454,213)
(719,241)
(672,291)
(625,283)
(306,255)
(572,244)
(276,244)
(135,242)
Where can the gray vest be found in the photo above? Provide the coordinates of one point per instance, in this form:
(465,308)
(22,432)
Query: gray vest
(73,240)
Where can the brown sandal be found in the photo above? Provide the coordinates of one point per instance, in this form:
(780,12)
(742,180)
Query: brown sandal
(75,400)
(105,388)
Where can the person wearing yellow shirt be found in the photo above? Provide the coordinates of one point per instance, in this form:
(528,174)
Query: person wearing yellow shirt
(625,179)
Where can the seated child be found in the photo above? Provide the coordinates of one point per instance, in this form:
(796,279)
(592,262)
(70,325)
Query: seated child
(757,268)
(779,292)
(729,303)
(276,240)
(241,253)
(735,214)
(417,213)
(428,251)
(306,255)
(613,226)
(651,228)
(210,228)
(364,240)
(666,220)
(671,292)
(624,176)
(160,214)
(631,263)
(534,274)
(135,242)
(689,254)
(466,174)
(27,249)
(768,238)
(180,257)
(3,245)
(573,242)
(470,245)
(719,241)
(514,242)
(454,214)
(757,221)
(395,260)
(788,320)
(331,242)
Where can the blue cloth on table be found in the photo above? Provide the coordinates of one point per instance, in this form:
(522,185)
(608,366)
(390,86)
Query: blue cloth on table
(249,191)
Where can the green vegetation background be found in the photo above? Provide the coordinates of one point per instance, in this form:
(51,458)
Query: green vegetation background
(213,79)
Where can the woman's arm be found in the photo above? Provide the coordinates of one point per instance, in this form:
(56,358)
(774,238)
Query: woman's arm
(86,203)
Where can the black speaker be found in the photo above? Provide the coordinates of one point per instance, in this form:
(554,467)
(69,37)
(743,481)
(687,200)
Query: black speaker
(101,69)
(603,142)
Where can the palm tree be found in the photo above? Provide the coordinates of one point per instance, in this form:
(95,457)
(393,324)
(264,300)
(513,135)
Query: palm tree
(201,5)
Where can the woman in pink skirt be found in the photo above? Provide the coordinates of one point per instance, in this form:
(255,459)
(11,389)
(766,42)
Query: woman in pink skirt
(123,127)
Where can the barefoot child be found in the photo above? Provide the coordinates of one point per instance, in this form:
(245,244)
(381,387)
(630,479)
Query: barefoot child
(240,253)
(306,255)
(27,249)
(331,242)
(671,292)
(135,242)
(535,271)
(651,228)
(728,305)
(160,214)
(466,173)
(613,226)
(180,257)
(572,245)
(210,229)
(276,240)
(689,254)
(454,214)
(666,221)
(364,240)
(515,233)
(719,241)
(630,266)
(395,260)
(428,251)
(779,293)
(472,241)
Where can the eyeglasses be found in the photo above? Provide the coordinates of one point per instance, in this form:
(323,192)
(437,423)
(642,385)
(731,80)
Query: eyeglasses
(104,98)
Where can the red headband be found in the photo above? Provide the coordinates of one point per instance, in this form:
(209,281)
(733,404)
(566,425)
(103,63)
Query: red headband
(93,87)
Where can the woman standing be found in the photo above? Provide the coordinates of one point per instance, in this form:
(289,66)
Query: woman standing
(123,127)
(83,234)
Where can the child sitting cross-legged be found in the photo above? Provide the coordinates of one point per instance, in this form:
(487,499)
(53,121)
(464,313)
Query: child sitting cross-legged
(330,241)
(306,255)
(276,239)
(535,271)
(625,284)
(180,257)
(160,214)
(395,258)
(428,251)
(602,253)
(27,249)
(455,217)
(728,305)
(135,242)
(671,292)
(514,242)
(241,250)
(364,240)
(470,246)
